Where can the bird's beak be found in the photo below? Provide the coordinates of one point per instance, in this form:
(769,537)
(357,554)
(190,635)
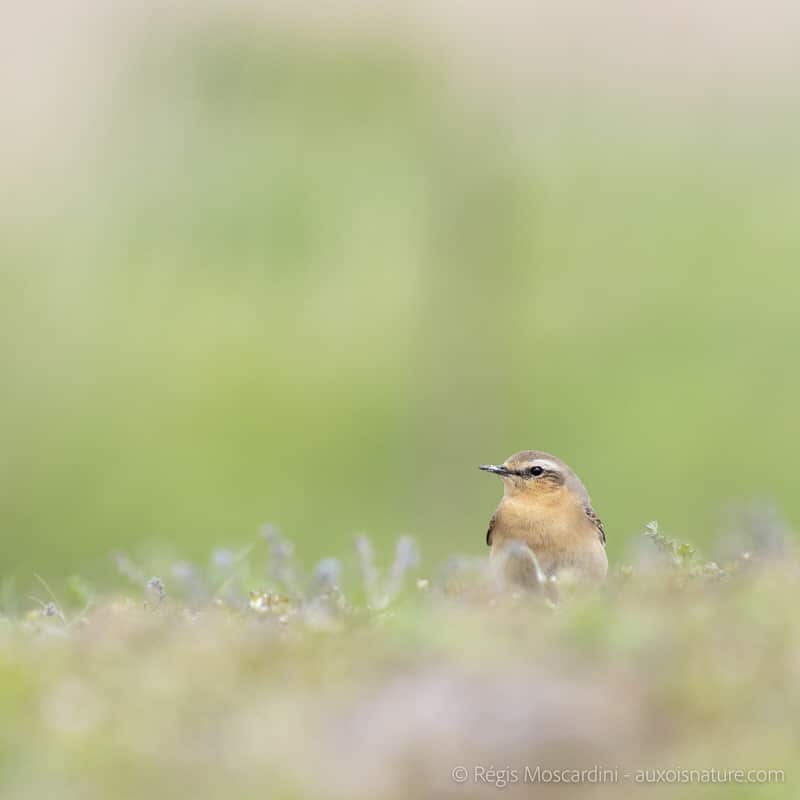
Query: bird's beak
(493,468)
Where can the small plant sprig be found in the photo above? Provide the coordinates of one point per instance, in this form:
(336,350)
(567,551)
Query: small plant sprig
(380,592)
(155,589)
(682,555)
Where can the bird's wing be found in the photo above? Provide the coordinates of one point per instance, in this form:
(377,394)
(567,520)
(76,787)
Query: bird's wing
(490,530)
(598,523)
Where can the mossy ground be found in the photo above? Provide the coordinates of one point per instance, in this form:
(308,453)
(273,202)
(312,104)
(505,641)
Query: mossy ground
(247,678)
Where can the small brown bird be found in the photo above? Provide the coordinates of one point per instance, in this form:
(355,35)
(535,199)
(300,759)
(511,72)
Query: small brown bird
(546,507)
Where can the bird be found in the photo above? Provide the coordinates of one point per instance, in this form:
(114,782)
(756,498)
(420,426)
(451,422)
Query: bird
(546,511)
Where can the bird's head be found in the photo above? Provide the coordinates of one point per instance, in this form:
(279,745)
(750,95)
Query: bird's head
(534,474)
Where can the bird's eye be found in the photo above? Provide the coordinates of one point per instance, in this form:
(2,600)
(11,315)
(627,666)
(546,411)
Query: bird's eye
(536,471)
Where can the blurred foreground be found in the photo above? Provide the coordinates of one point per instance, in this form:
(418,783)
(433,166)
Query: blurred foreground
(247,679)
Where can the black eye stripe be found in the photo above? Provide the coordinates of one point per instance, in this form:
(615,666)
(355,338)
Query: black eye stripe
(533,472)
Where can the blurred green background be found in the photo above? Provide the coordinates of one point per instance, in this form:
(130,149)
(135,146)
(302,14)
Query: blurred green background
(288,270)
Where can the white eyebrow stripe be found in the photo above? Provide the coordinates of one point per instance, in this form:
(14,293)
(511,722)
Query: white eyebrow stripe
(545,463)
